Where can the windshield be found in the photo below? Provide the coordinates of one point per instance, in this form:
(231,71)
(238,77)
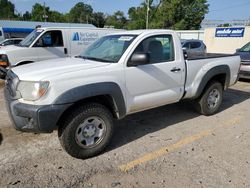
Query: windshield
(108,48)
(30,38)
(245,48)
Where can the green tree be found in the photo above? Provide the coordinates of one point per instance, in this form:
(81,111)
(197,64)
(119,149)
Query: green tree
(182,14)
(225,25)
(170,14)
(81,13)
(137,15)
(7,10)
(117,20)
(26,16)
(38,12)
(98,19)
(55,16)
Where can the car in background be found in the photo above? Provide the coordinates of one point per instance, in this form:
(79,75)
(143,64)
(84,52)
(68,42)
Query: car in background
(11,41)
(194,47)
(244,54)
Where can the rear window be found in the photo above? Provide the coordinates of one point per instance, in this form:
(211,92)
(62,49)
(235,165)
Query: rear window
(195,45)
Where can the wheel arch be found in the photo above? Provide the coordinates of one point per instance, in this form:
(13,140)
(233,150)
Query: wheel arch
(219,73)
(108,94)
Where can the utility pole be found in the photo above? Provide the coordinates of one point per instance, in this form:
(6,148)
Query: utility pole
(147,19)
(44,13)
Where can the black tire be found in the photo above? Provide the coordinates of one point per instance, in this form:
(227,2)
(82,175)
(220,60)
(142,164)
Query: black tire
(71,132)
(209,107)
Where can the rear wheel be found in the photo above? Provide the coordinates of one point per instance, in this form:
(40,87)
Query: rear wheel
(87,131)
(210,101)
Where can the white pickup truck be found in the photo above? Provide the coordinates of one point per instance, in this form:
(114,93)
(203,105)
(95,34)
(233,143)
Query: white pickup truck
(118,75)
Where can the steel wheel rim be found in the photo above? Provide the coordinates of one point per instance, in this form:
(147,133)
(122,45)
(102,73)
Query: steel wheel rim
(91,132)
(213,99)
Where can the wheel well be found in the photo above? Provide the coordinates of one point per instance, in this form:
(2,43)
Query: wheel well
(222,78)
(105,100)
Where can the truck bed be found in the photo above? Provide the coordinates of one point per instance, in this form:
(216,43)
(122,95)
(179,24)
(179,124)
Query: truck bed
(208,56)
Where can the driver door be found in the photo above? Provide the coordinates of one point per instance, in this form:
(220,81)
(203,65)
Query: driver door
(51,45)
(159,82)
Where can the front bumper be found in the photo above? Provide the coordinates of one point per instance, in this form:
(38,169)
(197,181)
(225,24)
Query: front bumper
(32,118)
(244,71)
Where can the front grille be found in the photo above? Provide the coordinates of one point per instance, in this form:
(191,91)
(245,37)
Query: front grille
(11,83)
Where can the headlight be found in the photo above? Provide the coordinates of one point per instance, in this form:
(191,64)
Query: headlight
(4,62)
(32,91)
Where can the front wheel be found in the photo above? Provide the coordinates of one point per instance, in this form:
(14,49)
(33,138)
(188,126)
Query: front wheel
(210,101)
(87,131)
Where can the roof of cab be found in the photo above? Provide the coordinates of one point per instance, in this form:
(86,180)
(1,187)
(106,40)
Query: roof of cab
(143,31)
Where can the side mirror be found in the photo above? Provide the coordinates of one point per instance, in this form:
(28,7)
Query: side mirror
(3,73)
(185,53)
(138,59)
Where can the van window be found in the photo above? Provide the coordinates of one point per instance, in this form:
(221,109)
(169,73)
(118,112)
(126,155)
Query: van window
(160,48)
(50,39)
(195,45)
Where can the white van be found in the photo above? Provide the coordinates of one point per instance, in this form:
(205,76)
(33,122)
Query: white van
(1,34)
(50,43)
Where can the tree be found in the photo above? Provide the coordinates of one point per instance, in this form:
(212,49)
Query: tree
(225,25)
(55,16)
(38,12)
(137,15)
(26,16)
(81,13)
(98,19)
(7,10)
(118,20)
(182,14)
(173,14)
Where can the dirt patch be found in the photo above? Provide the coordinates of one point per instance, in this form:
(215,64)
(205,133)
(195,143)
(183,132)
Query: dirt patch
(1,84)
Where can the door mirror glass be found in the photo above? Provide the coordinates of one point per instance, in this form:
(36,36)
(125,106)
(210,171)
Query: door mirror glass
(139,59)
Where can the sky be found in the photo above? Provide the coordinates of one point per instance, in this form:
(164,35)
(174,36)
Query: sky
(219,9)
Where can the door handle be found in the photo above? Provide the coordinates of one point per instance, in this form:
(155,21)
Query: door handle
(175,69)
(65,51)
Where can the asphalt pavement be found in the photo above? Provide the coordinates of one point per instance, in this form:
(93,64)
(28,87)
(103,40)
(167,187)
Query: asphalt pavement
(171,146)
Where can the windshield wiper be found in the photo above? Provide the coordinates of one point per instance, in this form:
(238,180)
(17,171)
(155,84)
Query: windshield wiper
(95,59)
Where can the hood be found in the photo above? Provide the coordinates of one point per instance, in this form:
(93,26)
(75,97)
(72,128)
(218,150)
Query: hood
(9,48)
(41,70)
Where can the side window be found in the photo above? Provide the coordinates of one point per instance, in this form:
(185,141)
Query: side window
(246,48)
(194,45)
(160,48)
(187,45)
(8,42)
(17,41)
(50,39)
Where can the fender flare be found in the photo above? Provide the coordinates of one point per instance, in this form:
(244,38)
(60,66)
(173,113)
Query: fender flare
(94,90)
(221,69)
